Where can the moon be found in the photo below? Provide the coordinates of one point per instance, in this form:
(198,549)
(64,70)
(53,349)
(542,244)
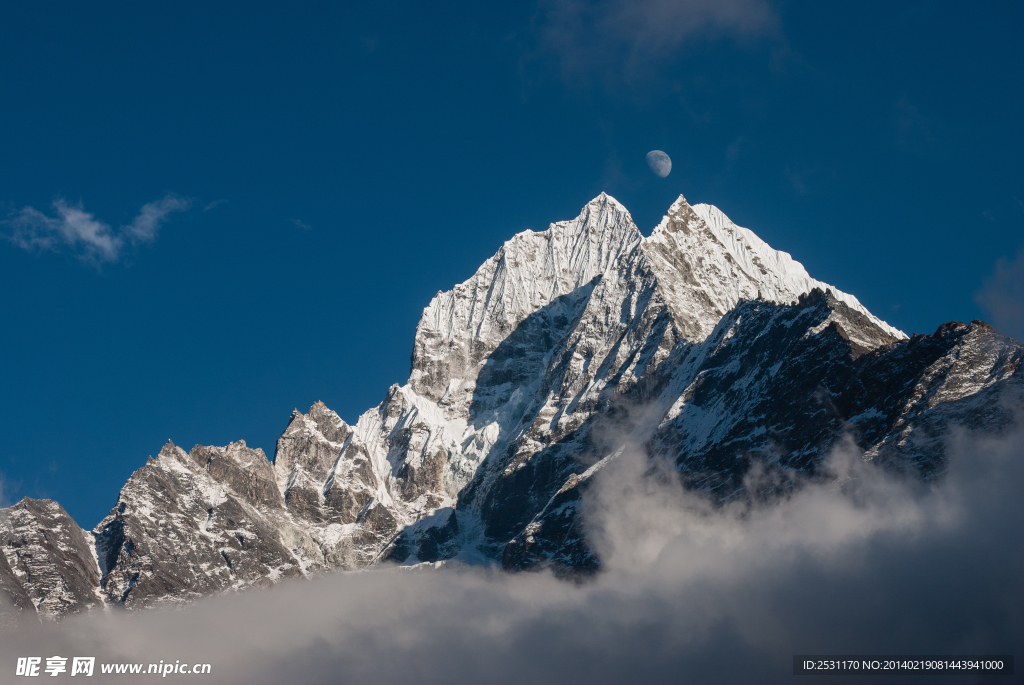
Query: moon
(660,163)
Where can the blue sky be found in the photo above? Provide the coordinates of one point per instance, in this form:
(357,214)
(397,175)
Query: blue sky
(214,212)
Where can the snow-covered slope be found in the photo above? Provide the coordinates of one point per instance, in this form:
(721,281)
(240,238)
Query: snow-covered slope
(460,328)
(707,264)
(701,341)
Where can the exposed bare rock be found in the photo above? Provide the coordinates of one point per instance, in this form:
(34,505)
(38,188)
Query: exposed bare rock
(190,524)
(48,563)
(776,387)
(702,344)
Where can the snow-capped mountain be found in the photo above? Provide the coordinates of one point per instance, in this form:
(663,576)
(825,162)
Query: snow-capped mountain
(701,343)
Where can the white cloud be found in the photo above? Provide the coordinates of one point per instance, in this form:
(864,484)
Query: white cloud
(73,227)
(861,563)
(75,230)
(1003,296)
(145,226)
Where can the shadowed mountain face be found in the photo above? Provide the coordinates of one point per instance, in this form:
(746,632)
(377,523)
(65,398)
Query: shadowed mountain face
(774,388)
(700,345)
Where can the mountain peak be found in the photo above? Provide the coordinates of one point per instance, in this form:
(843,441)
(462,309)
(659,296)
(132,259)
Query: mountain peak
(605,221)
(530,270)
(706,264)
(520,377)
(168,449)
(604,198)
(678,204)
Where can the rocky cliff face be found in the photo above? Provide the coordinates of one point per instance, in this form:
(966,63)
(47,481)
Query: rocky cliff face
(700,343)
(48,564)
(777,387)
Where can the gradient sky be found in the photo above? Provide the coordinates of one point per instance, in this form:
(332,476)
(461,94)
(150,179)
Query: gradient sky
(313,173)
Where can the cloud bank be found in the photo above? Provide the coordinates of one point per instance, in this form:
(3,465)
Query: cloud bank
(79,232)
(860,562)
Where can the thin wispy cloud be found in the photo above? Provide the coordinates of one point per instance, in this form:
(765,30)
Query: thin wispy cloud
(916,131)
(796,180)
(145,226)
(732,151)
(72,229)
(1002,296)
(628,39)
(301,224)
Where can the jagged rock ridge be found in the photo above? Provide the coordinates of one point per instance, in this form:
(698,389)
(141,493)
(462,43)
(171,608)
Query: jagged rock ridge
(734,354)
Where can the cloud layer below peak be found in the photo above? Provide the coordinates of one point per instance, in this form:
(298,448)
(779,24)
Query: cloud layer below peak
(862,562)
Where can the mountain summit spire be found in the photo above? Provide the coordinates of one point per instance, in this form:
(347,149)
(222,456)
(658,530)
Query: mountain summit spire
(707,264)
